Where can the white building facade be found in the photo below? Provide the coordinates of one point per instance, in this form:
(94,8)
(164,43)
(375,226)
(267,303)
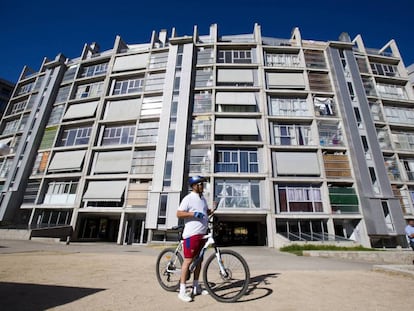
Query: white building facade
(300,140)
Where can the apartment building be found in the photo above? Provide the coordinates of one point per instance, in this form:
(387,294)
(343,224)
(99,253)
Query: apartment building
(6,89)
(300,140)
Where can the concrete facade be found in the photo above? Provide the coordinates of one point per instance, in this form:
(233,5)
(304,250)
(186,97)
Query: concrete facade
(300,140)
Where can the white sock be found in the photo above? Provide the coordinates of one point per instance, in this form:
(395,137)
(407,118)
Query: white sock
(182,288)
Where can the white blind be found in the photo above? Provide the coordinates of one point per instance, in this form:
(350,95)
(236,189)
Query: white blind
(122,110)
(285,80)
(236,127)
(131,62)
(113,162)
(235,98)
(235,75)
(85,110)
(67,161)
(105,191)
(297,163)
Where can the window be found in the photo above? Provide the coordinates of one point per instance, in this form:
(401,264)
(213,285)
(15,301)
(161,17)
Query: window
(61,193)
(5,165)
(75,136)
(237,161)
(18,107)
(384,70)
(391,166)
(237,193)
(336,165)
(319,82)
(399,115)
(294,199)
(205,56)
(48,137)
(343,200)
(158,60)
(315,59)
(147,132)
(11,127)
(391,91)
(40,162)
(49,218)
(162,212)
(204,77)
(202,102)
(94,70)
(118,135)
(280,106)
(143,162)
(409,168)
(56,115)
(70,74)
(330,134)
(282,60)
(389,222)
(63,94)
(154,82)
(303,229)
(89,90)
(151,106)
(31,191)
(235,57)
(26,88)
(128,86)
(324,106)
(200,161)
(292,135)
(402,140)
(201,129)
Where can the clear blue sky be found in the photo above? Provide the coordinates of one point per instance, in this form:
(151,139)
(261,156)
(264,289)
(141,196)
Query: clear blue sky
(31,30)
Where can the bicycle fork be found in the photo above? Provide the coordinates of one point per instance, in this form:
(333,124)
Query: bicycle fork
(223,270)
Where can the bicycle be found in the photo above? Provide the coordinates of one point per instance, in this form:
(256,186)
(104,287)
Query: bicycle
(226,274)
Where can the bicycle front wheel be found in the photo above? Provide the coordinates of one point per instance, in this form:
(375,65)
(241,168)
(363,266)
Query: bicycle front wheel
(168,269)
(233,283)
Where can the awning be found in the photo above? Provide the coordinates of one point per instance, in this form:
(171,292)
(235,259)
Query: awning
(235,75)
(122,110)
(113,162)
(285,80)
(130,62)
(297,163)
(102,191)
(235,98)
(67,161)
(236,127)
(85,110)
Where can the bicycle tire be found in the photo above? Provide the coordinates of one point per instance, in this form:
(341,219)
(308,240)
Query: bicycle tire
(169,279)
(228,288)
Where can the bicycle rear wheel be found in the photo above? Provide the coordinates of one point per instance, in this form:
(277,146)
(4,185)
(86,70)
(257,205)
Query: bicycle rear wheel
(231,286)
(168,269)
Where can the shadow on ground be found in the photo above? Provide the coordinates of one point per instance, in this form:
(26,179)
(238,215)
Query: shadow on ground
(257,287)
(36,297)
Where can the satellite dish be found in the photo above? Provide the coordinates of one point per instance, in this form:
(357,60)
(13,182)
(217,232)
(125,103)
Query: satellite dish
(4,149)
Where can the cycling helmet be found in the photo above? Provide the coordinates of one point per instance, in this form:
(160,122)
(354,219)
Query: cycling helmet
(195,179)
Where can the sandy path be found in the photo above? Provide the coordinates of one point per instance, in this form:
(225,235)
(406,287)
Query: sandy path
(100,281)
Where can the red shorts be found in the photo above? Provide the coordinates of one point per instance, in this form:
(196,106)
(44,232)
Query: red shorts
(193,245)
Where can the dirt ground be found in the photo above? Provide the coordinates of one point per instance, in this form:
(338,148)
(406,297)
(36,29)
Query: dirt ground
(56,280)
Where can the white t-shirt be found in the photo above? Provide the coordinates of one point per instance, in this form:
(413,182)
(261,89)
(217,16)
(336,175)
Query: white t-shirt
(192,202)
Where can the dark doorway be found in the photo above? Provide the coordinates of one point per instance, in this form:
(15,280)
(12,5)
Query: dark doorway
(228,233)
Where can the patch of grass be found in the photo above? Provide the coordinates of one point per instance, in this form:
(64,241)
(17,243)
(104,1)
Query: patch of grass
(298,249)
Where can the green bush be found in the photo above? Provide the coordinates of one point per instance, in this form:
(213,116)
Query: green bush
(298,249)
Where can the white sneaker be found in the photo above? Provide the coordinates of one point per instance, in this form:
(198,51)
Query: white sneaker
(185,297)
(199,291)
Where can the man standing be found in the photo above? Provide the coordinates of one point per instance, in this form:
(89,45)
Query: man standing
(409,231)
(194,211)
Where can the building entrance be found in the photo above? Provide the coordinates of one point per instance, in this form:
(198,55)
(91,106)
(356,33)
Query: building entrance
(232,233)
(95,228)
